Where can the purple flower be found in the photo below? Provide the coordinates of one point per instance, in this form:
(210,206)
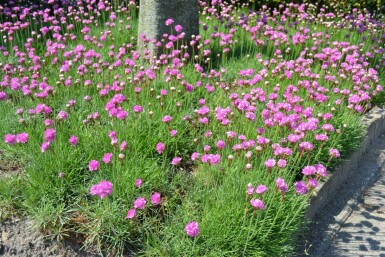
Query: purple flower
(137,108)
(93,165)
(169,22)
(107,157)
(138,183)
(10,139)
(103,189)
(131,213)
(334,153)
(281,185)
(300,187)
(192,229)
(160,147)
(176,160)
(167,119)
(155,198)
(321,170)
(250,189)
(140,203)
(44,146)
(50,135)
(73,140)
(22,138)
(257,204)
(309,170)
(270,163)
(261,189)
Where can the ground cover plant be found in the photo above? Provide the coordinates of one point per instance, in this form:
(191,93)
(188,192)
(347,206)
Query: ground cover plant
(208,152)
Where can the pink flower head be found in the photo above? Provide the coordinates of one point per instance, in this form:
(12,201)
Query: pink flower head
(123,146)
(169,22)
(334,153)
(155,198)
(257,204)
(140,203)
(10,139)
(192,229)
(107,157)
(131,213)
(103,189)
(160,147)
(250,189)
(22,138)
(194,156)
(73,140)
(173,133)
(44,146)
(93,165)
(300,187)
(309,170)
(321,170)
(138,183)
(313,183)
(281,185)
(167,119)
(176,160)
(178,28)
(261,189)
(221,144)
(270,163)
(137,109)
(50,135)
(62,115)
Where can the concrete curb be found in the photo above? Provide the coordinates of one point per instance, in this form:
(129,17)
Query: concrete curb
(374,122)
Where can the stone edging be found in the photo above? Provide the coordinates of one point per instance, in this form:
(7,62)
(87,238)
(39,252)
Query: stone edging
(374,122)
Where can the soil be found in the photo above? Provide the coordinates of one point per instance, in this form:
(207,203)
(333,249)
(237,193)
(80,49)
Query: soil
(19,238)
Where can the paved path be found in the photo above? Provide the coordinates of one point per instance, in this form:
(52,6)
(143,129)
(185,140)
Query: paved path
(363,233)
(353,224)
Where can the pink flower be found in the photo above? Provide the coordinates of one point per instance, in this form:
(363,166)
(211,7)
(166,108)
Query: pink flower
(257,204)
(169,22)
(300,187)
(103,189)
(10,139)
(270,163)
(192,229)
(321,170)
(22,138)
(50,135)
(221,144)
(155,198)
(44,146)
(281,185)
(250,189)
(160,147)
(173,133)
(334,153)
(138,183)
(62,115)
(176,160)
(309,170)
(107,157)
(167,119)
(123,146)
(140,203)
(131,213)
(137,109)
(178,28)
(73,140)
(261,189)
(93,165)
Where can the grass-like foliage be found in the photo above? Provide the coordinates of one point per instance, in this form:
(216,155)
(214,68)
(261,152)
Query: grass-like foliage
(213,152)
